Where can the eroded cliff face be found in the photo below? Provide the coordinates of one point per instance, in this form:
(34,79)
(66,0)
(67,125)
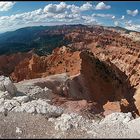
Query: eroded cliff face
(101,83)
(60,61)
(8,62)
(103,79)
(109,76)
(119,49)
(94,77)
(106,84)
(127,60)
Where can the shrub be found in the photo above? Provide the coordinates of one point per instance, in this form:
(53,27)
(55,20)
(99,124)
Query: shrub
(98,46)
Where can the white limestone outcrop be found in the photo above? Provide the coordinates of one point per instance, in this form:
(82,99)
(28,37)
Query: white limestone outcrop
(7,88)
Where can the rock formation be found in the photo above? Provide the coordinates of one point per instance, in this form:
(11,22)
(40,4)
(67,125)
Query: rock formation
(60,61)
(7,88)
(106,84)
(109,77)
(33,97)
(8,62)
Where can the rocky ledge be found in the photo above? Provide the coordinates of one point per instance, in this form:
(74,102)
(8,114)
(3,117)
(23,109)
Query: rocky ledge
(28,108)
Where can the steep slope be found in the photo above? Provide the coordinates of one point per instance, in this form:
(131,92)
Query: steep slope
(127,60)
(8,62)
(105,83)
(110,77)
(41,38)
(60,61)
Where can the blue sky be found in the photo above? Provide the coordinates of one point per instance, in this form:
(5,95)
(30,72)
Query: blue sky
(14,15)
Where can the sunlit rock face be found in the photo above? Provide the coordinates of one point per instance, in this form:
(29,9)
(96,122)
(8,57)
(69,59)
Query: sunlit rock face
(60,61)
(8,62)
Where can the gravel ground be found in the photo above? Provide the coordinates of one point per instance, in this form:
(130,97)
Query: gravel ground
(25,125)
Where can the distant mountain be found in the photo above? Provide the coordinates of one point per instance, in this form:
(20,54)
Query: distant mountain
(42,38)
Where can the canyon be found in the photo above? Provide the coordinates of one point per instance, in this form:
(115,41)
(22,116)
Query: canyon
(102,65)
(96,74)
(82,82)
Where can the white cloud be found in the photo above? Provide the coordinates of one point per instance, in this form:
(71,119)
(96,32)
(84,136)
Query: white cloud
(134,27)
(122,17)
(5,6)
(61,13)
(23,18)
(116,23)
(89,20)
(52,14)
(132,13)
(103,15)
(113,17)
(74,9)
(102,6)
(55,8)
(86,6)
(128,23)
(38,16)
(62,7)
